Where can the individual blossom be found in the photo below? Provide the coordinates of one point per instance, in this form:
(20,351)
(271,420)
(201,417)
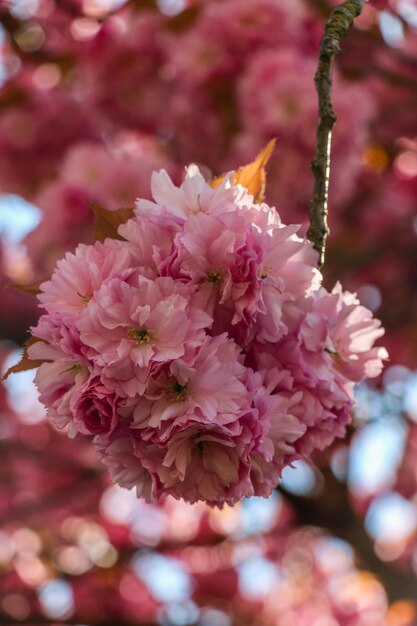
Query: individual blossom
(78,275)
(343,330)
(134,324)
(223,253)
(64,369)
(321,406)
(208,387)
(250,272)
(151,242)
(284,79)
(202,462)
(57,337)
(125,468)
(58,383)
(280,428)
(95,408)
(192,196)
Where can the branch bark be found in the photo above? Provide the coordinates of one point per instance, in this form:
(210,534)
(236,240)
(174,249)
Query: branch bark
(337,27)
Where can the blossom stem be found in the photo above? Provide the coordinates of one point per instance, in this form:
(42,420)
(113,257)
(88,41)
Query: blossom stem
(337,27)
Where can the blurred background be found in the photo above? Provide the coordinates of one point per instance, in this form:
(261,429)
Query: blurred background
(94,96)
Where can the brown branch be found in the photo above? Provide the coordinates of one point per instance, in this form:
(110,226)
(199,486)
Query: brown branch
(391,76)
(337,27)
(333,511)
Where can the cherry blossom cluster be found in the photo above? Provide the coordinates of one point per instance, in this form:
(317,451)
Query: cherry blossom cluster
(199,349)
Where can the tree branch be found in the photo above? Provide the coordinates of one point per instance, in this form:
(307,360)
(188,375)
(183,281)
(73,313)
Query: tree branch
(332,510)
(337,27)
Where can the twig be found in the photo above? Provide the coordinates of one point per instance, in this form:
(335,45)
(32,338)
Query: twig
(337,27)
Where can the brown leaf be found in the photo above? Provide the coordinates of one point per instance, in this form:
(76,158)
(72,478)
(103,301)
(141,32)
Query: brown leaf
(184,20)
(252,176)
(107,222)
(25,362)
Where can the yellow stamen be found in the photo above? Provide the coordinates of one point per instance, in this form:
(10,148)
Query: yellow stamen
(141,335)
(178,392)
(215,277)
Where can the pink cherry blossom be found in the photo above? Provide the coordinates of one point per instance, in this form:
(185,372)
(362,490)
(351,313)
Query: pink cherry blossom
(58,383)
(208,387)
(134,325)
(280,428)
(125,468)
(151,242)
(202,462)
(95,408)
(194,195)
(79,275)
(59,338)
(346,331)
